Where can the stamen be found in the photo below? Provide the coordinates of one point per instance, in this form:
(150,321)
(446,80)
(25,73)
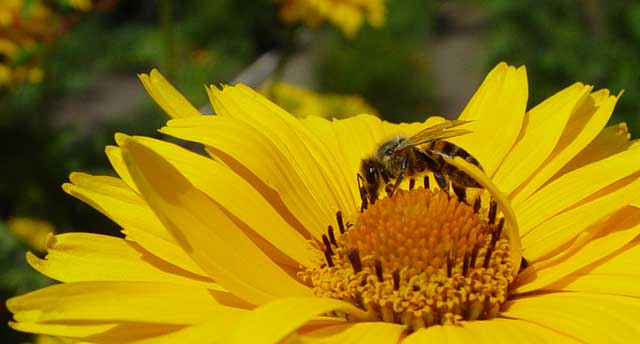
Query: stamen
(327,244)
(354,258)
(512,233)
(340,221)
(474,256)
(428,243)
(498,230)
(332,236)
(465,264)
(327,256)
(495,235)
(493,210)
(412,183)
(378,267)
(425,182)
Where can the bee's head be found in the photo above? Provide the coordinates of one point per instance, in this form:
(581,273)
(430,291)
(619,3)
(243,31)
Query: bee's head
(370,169)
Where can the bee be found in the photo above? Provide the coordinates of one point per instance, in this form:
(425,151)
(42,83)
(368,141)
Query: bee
(401,157)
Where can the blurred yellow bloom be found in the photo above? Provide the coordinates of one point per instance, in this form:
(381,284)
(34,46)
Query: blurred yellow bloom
(266,242)
(24,27)
(5,75)
(347,15)
(81,5)
(33,232)
(301,102)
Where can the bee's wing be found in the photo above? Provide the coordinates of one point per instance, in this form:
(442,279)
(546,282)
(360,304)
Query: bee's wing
(436,132)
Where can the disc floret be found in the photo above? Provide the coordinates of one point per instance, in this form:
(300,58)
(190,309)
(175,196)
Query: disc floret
(419,258)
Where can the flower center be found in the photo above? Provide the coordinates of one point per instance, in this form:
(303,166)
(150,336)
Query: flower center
(419,258)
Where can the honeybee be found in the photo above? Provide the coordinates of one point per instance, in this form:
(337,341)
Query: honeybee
(402,157)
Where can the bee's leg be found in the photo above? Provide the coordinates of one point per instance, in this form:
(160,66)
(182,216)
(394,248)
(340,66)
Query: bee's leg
(442,181)
(403,169)
(363,194)
(460,191)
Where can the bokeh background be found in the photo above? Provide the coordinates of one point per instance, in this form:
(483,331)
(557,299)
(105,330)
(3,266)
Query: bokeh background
(68,78)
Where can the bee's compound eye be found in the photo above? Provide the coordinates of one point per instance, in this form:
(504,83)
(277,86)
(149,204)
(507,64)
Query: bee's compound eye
(371,174)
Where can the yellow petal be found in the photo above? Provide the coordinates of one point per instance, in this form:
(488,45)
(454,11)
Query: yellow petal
(500,101)
(585,317)
(600,241)
(542,128)
(624,285)
(309,157)
(355,138)
(623,262)
(572,187)
(115,302)
(500,330)
(112,197)
(205,232)
(586,122)
(364,332)
(234,194)
(272,322)
(511,230)
(618,274)
(98,333)
(440,334)
(117,162)
(552,234)
(496,330)
(351,140)
(75,257)
(166,96)
(611,140)
(213,330)
(117,201)
(257,158)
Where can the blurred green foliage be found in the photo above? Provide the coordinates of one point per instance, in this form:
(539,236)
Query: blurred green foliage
(388,66)
(592,41)
(16,277)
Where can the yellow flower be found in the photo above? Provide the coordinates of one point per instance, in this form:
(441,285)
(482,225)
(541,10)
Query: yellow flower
(247,246)
(301,102)
(348,15)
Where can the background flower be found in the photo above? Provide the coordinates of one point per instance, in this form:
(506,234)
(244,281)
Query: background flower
(302,102)
(347,15)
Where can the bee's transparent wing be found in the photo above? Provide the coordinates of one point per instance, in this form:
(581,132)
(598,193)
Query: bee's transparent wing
(437,132)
